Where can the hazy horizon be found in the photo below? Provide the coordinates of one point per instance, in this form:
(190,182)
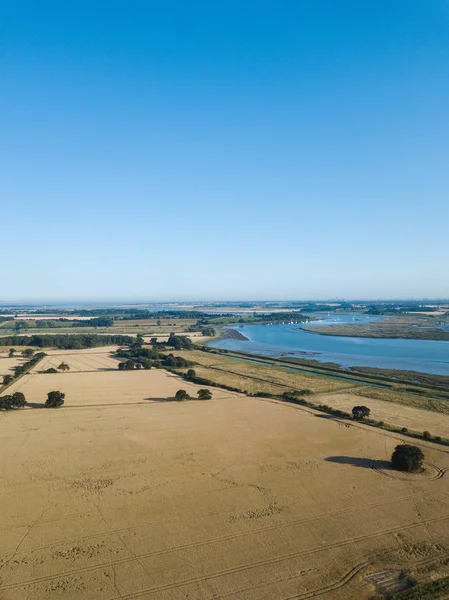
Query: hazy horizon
(142,302)
(246,150)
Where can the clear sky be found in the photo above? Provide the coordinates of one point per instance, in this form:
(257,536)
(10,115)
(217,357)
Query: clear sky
(240,149)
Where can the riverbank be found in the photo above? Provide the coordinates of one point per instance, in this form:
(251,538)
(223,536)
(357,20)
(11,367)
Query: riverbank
(232,334)
(416,382)
(296,341)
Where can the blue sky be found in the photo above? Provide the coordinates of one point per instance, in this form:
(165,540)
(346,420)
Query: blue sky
(165,150)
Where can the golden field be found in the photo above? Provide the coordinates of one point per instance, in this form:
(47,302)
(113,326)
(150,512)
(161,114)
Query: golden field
(93,359)
(7,364)
(394,407)
(120,494)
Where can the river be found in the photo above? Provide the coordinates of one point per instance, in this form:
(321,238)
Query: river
(290,339)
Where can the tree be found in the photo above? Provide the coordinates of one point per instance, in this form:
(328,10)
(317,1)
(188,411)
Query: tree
(11,352)
(181,395)
(54,399)
(426,435)
(191,374)
(51,370)
(407,458)
(20,325)
(64,367)
(128,365)
(5,403)
(7,379)
(178,342)
(204,394)
(208,332)
(18,400)
(175,341)
(28,353)
(360,412)
(18,370)
(170,361)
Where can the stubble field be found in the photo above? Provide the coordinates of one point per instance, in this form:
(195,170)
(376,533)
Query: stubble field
(120,494)
(93,359)
(7,364)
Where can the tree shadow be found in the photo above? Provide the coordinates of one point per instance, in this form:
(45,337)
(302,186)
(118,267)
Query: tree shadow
(35,405)
(366,463)
(331,417)
(163,400)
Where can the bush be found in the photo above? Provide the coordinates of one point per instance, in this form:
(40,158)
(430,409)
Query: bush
(181,395)
(360,412)
(54,399)
(426,435)
(204,394)
(294,394)
(407,458)
(51,370)
(292,397)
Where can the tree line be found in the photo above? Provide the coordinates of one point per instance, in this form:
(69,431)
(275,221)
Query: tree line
(95,322)
(66,341)
(21,369)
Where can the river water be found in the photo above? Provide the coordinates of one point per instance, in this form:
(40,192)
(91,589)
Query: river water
(427,356)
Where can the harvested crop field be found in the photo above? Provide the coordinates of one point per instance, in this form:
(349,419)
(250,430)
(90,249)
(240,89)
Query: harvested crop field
(94,359)
(7,364)
(118,496)
(104,387)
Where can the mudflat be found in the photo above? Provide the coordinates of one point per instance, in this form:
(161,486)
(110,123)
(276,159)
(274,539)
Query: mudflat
(121,494)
